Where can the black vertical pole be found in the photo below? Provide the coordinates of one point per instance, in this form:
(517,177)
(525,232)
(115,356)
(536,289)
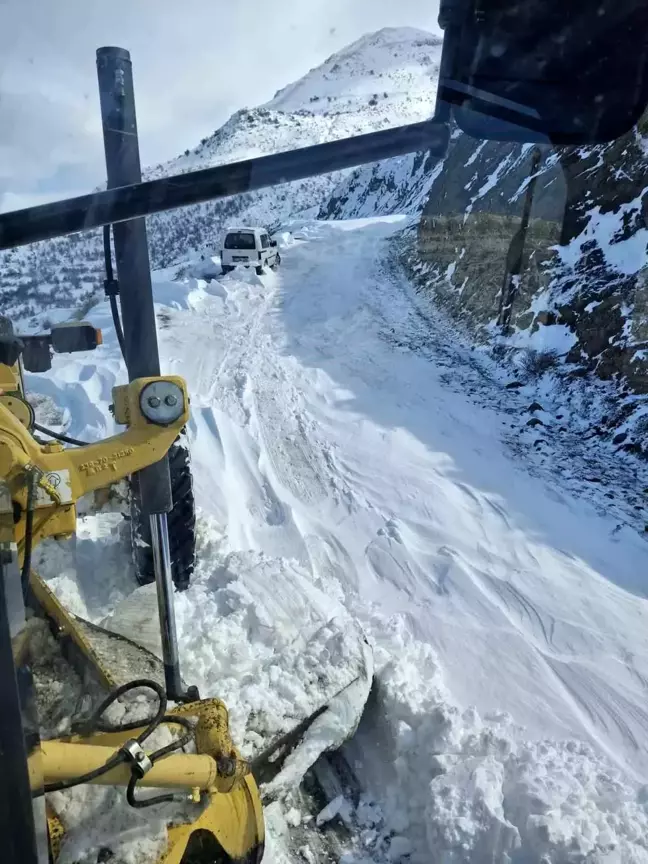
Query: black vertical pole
(138,321)
(18,728)
(515,254)
(131,247)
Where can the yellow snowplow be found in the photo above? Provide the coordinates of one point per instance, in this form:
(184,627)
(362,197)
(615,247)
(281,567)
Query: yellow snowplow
(40,484)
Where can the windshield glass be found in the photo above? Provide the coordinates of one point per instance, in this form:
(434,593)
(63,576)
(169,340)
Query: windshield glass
(372,470)
(239,240)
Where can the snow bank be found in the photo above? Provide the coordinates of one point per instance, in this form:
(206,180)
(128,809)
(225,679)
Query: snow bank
(625,254)
(256,633)
(556,338)
(465,788)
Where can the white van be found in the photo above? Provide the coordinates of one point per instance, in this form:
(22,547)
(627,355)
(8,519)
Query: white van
(249,247)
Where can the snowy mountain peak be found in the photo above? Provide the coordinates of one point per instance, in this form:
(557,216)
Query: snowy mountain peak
(384,79)
(393,65)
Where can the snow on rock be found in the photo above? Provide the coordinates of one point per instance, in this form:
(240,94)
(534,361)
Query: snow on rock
(625,254)
(398,185)
(558,338)
(393,64)
(387,78)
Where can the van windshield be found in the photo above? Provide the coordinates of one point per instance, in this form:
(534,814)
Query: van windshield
(239,240)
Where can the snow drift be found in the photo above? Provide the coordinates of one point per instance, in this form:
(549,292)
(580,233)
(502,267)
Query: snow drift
(348,479)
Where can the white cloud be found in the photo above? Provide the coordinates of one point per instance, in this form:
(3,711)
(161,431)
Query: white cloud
(194,63)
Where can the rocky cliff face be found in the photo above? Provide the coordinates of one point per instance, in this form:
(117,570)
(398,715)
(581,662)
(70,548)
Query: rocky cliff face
(576,281)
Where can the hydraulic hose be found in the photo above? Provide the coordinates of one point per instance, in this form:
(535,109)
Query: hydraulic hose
(96,724)
(111,287)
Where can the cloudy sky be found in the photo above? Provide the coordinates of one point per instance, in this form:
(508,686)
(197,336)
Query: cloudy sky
(194,63)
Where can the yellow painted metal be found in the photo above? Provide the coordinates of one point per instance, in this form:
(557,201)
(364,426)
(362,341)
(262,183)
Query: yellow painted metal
(19,407)
(212,736)
(84,469)
(235,820)
(56,832)
(62,760)
(231,811)
(98,464)
(10,378)
(230,806)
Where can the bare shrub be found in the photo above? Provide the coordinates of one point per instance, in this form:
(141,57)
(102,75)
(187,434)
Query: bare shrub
(534,363)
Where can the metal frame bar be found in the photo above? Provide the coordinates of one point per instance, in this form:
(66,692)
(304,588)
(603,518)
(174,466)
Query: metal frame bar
(20,227)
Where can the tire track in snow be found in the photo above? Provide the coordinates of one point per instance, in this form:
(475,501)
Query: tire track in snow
(605,707)
(598,706)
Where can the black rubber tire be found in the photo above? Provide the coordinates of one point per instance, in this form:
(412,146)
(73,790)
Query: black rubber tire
(181,521)
(260,270)
(225,269)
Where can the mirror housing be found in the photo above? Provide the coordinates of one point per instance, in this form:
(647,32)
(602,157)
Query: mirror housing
(36,350)
(544,70)
(74,336)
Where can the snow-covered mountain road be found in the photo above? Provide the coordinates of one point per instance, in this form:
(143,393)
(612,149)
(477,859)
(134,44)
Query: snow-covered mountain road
(333,465)
(318,440)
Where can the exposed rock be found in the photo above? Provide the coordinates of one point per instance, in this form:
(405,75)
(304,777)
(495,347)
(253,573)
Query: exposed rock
(587,202)
(546,318)
(632,447)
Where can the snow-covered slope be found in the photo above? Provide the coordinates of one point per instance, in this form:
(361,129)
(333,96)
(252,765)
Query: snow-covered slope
(399,185)
(354,463)
(383,79)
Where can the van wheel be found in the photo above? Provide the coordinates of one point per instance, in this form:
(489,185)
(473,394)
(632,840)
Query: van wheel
(260,270)
(225,269)
(277,261)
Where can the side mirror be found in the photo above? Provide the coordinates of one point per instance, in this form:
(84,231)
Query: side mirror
(544,70)
(36,354)
(66,338)
(273,242)
(74,336)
